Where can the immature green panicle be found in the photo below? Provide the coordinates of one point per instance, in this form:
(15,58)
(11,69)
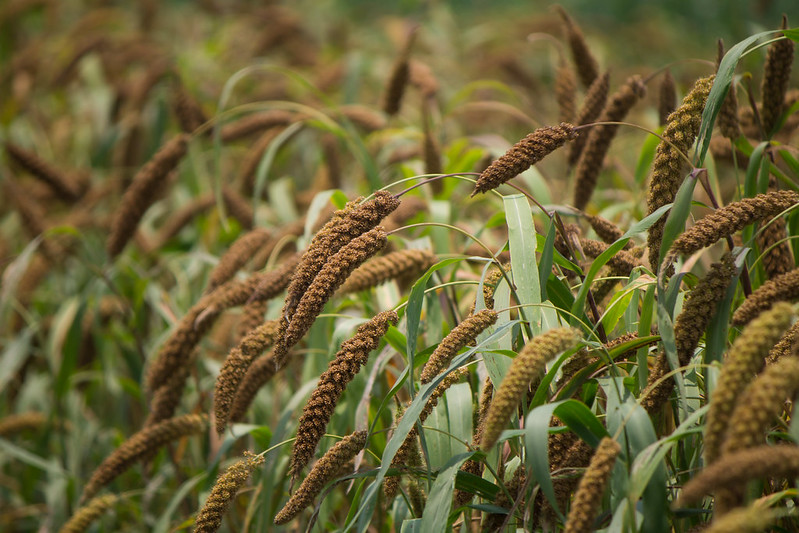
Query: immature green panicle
(333,463)
(667,99)
(779,289)
(529,364)
(566,92)
(332,275)
(402,264)
(353,354)
(146,186)
(524,154)
(698,310)
(587,67)
(461,335)
(227,485)
(88,513)
(593,104)
(667,170)
(727,220)
(744,359)
(776,76)
(235,368)
(598,142)
(760,405)
(737,468)
(589,493)
(140,444)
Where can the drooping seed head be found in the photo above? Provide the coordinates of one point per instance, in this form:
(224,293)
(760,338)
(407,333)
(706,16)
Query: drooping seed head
(464,333)
(776,76)
(592,486)
(780,289)
(209,519)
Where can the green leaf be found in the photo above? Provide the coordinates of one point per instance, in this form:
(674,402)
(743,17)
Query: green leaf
(436,512)
(599,262)
(716,335)
(524,265)
(757,166)
(792,34)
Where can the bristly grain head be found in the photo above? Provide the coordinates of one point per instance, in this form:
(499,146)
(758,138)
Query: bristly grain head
(756,517)
(588,497)
(89,512)
(461,335)
(241,251)
(524,154)
(64,185)
(209,519)
(776,76)
(353,354)
(403,264)
(398,79)
(733,217)
(667,97)
(145,188)
(773,242)
(334,463)
(667,170)
(727,119)
(607,230)
(529,364)
(737,468)
(258,374)
(787,345)
(18,423)
(780,289)
(600,137)
(566,92)
(587,66)
(593,103)
(255,123)
(139,445)
(187,109)
(745,358)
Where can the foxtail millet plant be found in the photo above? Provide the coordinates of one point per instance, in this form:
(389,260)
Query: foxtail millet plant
(745,359)
(529,364)
(773,243)
(727,119)
(461,335)
(353,354)
(753,519)
(586,63)
(667,169)
(255,123)
(786,346)
(398,78)
(235,368)
(592,486)
(146,186)
(65,186)
(209,519)
(259,372)
(335,462)
(565,92)
(524,154)
(236,257)
(600,137)
(667,97)
(140,444)
(780,289)
(776,77)
(86,514)
(593,103)
(403,264)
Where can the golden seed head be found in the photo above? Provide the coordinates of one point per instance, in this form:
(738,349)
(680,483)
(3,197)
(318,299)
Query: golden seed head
(779,289)
(592,486)
(566,92)
(464,333)
(594,102)
(88,513)
(224,491)
(776,77)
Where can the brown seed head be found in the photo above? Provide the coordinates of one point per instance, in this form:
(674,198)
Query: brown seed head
(238,207)
(728,114)
(779,289)
(13,424)
(745,359)
(667,102)
(524,154)
(587,66)
(594,102)
(258,374)
(786,346)
(227,485)
(607,230)
(464,333)
(566,92)
(353,354)
(776,76)
(62,184)
(147,185)
(599,138)
(404,264)
(332,464)
(88,513)
(592,486)
(236,257)
(773,243)
(667,170)
(187,109)
(141,443)
(752,519)
(255,123)
(737,468)
(398,79)
(529,364)
(727,220)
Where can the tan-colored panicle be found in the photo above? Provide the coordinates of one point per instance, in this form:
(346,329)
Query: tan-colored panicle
(529,364)
(593,103)
(209,519)
(353,354)
(727,119)
(404,264)
(236,257)
(667,97)
(140,444)
(146,186)
(65,186)
(779,289)
(588,497)
(85,515)
(524,154)
(600,137)
(667,169)
(334,463)
(566,92)
(745,358)
(587,66)
(461,335)
(776,76)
